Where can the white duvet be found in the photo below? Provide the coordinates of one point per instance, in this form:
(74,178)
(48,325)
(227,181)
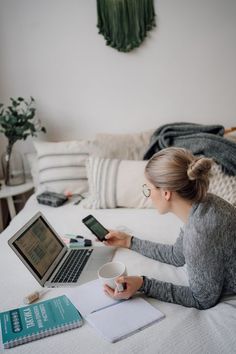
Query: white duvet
(184,330)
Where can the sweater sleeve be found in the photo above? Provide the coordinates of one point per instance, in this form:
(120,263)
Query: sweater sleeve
(169,292)
(205,274)
(171,254)
(203,293)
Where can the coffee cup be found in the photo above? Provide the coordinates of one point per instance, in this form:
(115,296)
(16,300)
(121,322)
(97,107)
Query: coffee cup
(108,273)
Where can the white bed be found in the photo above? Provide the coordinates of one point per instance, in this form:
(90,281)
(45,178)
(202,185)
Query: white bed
(184,330)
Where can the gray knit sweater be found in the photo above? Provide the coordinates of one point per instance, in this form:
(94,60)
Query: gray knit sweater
(207,244)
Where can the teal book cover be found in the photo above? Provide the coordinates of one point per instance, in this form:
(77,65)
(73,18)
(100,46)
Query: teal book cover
(35,321)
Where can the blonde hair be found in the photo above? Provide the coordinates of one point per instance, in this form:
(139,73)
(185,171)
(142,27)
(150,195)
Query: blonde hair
(178,170)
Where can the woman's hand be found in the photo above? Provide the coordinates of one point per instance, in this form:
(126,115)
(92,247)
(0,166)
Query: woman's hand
(131,285)
(118,239)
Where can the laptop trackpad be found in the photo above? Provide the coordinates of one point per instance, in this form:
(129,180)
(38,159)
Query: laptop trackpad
(100,256)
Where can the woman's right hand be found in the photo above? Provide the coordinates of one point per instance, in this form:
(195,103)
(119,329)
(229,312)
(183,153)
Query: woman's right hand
(118,239)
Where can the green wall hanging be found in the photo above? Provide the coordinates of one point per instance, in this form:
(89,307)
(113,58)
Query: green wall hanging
(124,23)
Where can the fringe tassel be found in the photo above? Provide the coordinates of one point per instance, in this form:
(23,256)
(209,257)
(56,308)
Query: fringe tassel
(124,23)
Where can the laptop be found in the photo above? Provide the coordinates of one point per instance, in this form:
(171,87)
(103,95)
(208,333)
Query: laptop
(50,261)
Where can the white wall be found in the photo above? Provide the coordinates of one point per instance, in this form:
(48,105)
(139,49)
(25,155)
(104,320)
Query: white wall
(184,71)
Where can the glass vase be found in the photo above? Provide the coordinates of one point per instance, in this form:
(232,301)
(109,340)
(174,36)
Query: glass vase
(13,167)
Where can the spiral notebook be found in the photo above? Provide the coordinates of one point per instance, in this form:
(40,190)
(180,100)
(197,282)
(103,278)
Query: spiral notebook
(35,321)
(112,319)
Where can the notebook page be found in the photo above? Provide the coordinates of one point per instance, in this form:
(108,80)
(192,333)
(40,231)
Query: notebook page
(89,297)
(119,321)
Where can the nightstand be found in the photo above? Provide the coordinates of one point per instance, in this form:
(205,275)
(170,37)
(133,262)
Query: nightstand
(8,192)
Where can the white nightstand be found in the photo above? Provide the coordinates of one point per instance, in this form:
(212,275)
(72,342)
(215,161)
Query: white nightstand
(8,192)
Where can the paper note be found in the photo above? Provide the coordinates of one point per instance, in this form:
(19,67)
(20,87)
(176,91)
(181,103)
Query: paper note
(89,297)
(123,319)
(113,319)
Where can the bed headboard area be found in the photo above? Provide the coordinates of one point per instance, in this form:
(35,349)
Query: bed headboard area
(109,168)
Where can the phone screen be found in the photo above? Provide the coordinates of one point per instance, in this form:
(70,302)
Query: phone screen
(95,226)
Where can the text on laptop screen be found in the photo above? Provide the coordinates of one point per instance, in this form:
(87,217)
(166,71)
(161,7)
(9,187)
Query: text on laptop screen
(39,246)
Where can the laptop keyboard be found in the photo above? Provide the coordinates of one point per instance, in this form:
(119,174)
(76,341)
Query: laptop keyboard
(73,266)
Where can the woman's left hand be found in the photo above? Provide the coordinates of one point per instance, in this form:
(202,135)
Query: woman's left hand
(131,284)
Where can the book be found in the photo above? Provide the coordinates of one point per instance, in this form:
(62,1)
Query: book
(35,321)
(112,319)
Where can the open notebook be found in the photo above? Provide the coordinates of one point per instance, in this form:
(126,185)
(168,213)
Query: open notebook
(114,320)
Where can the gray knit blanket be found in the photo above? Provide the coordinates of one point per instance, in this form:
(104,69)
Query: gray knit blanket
(201,139)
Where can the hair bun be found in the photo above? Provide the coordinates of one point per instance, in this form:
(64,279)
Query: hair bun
(199,168)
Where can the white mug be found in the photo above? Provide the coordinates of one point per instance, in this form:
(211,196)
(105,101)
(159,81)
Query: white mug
(109,272)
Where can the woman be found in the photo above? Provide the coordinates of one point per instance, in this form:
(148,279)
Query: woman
(177,182)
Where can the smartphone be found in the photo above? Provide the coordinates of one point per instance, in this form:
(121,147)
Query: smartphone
(95,227)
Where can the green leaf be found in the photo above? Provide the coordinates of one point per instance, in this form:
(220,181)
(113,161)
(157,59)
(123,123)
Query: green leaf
(31,114)
(16,120)
(12,110)
(15,102)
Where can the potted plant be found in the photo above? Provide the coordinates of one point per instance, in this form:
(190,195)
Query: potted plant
(17,122)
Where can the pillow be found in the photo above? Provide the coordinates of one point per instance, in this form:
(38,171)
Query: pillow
(222,185)
(32,162)
(115,183)
(121,146)
(61,166)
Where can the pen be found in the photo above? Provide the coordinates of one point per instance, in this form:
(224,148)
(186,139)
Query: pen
(105,307)
(69,194)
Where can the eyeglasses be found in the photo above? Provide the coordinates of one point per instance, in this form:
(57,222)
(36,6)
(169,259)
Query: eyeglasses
(146,191)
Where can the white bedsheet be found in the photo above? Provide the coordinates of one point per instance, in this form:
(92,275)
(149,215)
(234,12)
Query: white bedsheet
(184,330)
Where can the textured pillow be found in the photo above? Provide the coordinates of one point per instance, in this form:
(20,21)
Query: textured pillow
(61,166)
(223,185)
(121,146)
(115,183)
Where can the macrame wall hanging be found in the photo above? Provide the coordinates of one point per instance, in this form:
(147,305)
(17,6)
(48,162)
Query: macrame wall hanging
(124,23)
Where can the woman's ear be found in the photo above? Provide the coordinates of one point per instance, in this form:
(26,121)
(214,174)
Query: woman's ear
(166,194)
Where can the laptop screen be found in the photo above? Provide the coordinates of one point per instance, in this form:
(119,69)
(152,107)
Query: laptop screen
(39,246)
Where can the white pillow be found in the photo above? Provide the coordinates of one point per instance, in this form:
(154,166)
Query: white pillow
(61,166)
(115,183)
(121,146)
(32,161)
